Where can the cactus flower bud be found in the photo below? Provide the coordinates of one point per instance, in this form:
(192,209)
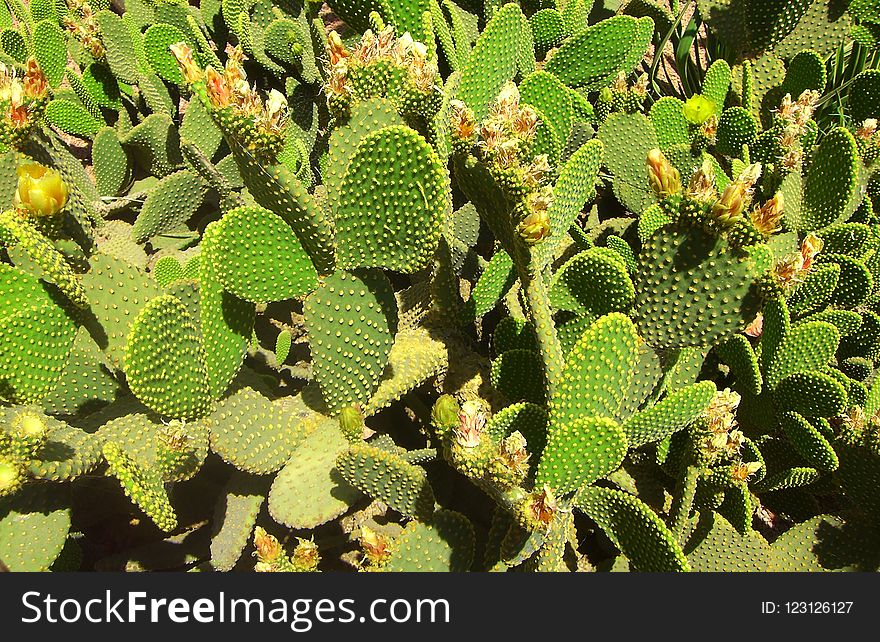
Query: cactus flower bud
(445,414)
(741,471)
(462,120)
(219,92)
(540,508)
(40,190)
(351,421)
(698,109)
(664,178)
(736,197)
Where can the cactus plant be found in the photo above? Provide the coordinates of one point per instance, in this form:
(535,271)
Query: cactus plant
(285,285)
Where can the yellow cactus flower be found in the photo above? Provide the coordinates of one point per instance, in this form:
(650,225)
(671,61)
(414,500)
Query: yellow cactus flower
(698,109)
(40,190)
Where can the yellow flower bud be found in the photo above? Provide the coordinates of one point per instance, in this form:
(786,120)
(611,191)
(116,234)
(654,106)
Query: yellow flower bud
(40,190)
(534,227)
(664,178)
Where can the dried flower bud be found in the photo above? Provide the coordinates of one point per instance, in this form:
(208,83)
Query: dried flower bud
(463,123)
(472,420)
(268,548)
(867,129)
(767,219)
(701,187)
(756,328)
(377,547)
(188,67)
(305,557)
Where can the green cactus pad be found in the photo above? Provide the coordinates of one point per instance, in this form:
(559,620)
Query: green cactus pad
(592,57)
(117,40)
(495,281)
(574,188)
(143,486)
(366,117)
(598,370)
(737,353)
(416,357)
(594,282)
(715,546)
(809,346)
(527,419)
(737,127)
(309,491)
(811,394)
(235,517)
(628,138)
(518,375)
(34,524)
(251,433)
(691,290)
(258,258)
(548,30)
(669,415)
(634,528)
(53,264)
(396,223)
(117,292)
(351,320)
(141,437)
(579,453)
(443,544)
(172,202)
(864,96)
(226,321)
(157,39)
(809,442)
(548,95)
(110,162)
(67,453)
(87,383)
(50,50)
(165,361)
(37,336)
(790,478)
(855,283)
(102,85)
(830,181)
(816,289)
(492,63)
(388,477)
(156,143)
(667,116)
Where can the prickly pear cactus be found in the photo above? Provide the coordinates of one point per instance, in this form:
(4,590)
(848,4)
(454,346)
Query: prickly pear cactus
(439,286)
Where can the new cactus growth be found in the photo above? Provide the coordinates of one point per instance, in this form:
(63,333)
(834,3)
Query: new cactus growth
(288,285)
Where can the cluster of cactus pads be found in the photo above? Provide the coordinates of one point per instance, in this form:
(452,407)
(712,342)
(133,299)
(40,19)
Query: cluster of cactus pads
(436,285)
